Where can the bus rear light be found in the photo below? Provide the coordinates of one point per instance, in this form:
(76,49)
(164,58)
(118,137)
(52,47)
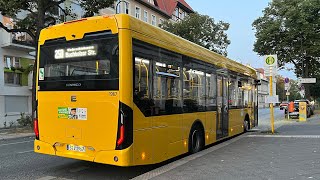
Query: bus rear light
(36,127)
(121,138)
(125,127)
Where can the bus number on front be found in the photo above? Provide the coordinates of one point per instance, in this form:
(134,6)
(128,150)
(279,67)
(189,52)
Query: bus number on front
(113,93)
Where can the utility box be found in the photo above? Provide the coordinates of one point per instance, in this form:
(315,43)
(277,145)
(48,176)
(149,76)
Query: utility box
(302,111)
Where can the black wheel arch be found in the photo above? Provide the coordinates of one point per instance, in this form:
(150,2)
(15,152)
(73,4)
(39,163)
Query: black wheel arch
(197,123)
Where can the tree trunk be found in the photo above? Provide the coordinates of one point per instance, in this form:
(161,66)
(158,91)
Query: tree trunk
(306,75)
(40,25)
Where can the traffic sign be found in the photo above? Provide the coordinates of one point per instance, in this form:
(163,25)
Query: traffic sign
(270,61)
(270,65)
(272,73)
(287,93)
(286,86)
(272,99)
(286,80)
(307,80)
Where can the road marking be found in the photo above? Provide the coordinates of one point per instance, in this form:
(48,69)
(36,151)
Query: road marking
(15,143)
(22,152)
(77,169)
(286,136)
(180,162)
(47,178)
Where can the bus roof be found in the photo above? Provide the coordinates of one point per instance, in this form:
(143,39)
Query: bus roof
(144,32)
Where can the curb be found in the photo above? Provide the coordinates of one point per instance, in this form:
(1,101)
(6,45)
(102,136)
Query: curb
(15,136)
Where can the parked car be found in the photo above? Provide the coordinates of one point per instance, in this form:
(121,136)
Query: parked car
(295,113)
(283,105)
(310,106)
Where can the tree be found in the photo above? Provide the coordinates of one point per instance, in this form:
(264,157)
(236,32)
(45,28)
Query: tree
(202,30)
(291,29)
(40,14)
(294,91)
(280,88)
(281,92)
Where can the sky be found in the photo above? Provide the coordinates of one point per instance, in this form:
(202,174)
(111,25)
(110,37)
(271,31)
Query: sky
(240,14)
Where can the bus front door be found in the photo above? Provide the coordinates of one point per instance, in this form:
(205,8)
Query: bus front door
(222,107)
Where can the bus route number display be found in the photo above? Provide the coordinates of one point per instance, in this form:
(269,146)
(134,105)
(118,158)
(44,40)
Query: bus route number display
(75,52)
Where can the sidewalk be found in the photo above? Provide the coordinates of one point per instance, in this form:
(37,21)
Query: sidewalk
(15,133)
(292,153)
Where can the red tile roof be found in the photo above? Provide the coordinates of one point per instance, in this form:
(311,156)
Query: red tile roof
(168,6)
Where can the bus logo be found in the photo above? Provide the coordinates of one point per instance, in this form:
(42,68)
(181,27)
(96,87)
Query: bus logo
(73,85)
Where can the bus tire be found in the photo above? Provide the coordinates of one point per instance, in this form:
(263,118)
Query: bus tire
(196,138)
(246,124)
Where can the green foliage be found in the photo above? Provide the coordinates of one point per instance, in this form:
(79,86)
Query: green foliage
(291,29)
(25,120)
(281,92)
(202,30)
(46,10)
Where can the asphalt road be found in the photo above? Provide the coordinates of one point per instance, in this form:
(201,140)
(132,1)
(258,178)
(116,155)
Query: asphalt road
(18,161)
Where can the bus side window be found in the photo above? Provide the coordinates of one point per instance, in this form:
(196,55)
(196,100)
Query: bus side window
(194,96)
(211,92)
(166,88)
(233,92)
(142,85)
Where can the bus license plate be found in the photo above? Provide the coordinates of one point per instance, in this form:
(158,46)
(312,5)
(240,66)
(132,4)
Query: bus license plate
(71,147)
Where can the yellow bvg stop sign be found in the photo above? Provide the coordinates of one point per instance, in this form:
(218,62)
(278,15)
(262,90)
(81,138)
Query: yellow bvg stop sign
(270,60)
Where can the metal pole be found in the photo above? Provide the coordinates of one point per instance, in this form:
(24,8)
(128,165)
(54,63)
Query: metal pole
(288,107)
(271,107)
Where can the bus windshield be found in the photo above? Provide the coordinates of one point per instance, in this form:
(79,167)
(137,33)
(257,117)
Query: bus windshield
(89,60)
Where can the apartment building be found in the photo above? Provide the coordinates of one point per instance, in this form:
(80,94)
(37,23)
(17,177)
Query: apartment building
(154,12)
(15,74)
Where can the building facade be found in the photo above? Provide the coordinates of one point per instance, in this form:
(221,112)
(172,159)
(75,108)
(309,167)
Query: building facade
(15,74)
(154,12)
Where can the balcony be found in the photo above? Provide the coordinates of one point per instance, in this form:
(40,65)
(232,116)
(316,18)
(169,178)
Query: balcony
(20,41)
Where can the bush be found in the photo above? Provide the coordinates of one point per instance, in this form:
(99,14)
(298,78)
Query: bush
(25,120)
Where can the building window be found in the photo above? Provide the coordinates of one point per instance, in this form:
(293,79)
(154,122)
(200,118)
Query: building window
(153,20)
(145,18)
(176,12)
(12,78)
(126,7)
(161,21)
(138,12)
(16,62)
(10,61)
(120,9)
(151,2)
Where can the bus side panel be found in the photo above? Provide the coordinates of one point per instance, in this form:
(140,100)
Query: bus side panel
(126,67)
(235,122)
(211,118)
(142,138)
(173,136)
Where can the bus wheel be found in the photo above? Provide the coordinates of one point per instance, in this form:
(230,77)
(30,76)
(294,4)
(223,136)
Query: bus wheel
(196,139)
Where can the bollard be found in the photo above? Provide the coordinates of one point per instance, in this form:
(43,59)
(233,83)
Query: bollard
(302,111)
(290,108)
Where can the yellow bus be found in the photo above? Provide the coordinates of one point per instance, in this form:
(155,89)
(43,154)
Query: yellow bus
(116,90)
